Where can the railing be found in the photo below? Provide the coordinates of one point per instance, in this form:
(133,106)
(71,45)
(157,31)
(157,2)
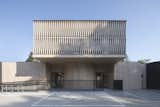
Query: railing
(39,85)
(78,84)
(23,86)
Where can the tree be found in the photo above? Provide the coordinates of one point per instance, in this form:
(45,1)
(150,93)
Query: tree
(126,58)
(143,61)
(30,58)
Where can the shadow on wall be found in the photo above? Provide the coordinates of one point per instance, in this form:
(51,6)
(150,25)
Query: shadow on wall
(24,76)
(105,39)
(30,71)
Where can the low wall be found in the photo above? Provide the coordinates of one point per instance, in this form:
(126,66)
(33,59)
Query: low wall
(26,73)
(23,71)
(132,74)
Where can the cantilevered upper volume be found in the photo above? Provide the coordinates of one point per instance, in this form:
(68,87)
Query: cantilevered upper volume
(79,39)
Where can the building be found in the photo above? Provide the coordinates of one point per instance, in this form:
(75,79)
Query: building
(78,54)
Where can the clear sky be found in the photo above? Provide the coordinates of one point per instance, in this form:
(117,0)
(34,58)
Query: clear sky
(143,23)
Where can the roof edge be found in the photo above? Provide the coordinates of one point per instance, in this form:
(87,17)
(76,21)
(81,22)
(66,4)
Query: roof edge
(80,20)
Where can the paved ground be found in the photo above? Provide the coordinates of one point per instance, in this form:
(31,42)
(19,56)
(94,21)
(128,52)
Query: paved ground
(106,98)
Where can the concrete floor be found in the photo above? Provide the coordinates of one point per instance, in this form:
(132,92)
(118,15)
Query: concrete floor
(106,98)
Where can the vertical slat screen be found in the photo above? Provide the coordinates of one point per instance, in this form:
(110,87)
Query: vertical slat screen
(67,37)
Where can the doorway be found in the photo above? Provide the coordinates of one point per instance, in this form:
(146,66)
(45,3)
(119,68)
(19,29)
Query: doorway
(99,80)
(57,79)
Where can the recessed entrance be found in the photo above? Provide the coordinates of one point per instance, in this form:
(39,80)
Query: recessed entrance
(81,76)
(99,80)
(57,79)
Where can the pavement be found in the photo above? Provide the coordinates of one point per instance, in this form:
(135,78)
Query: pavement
(106,98)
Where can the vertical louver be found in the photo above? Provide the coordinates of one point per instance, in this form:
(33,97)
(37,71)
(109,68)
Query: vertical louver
(74,37)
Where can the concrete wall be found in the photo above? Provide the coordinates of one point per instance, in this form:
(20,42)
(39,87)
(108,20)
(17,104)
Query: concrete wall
(79,71)
(23,71)
(83,75)
(133,74)
(76,75)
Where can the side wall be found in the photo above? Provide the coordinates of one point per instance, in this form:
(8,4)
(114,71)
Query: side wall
(133,74)
(23,71)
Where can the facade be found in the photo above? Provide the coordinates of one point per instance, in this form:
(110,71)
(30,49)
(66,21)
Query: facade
(79,38)
(81,53)
(78,54)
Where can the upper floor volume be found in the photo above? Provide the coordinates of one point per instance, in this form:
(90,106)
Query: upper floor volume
(79,38)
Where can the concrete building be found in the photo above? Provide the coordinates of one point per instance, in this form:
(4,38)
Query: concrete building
(78,54)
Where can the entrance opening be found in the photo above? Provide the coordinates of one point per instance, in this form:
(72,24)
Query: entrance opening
(81,76)
(104,80)
(57,79)
(99,80)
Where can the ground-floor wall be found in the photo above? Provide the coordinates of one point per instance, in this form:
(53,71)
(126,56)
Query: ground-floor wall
(83,75)
(76,75)
(79,75)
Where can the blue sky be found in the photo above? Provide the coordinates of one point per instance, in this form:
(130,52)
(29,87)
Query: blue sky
(143,23)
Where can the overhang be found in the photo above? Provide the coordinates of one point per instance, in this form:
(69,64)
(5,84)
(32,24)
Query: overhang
(79,58)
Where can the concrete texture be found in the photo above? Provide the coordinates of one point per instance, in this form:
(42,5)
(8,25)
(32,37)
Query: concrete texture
(82,74)
(133,74)
(78,75)
(81,46)
(79,71)
(23,71)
